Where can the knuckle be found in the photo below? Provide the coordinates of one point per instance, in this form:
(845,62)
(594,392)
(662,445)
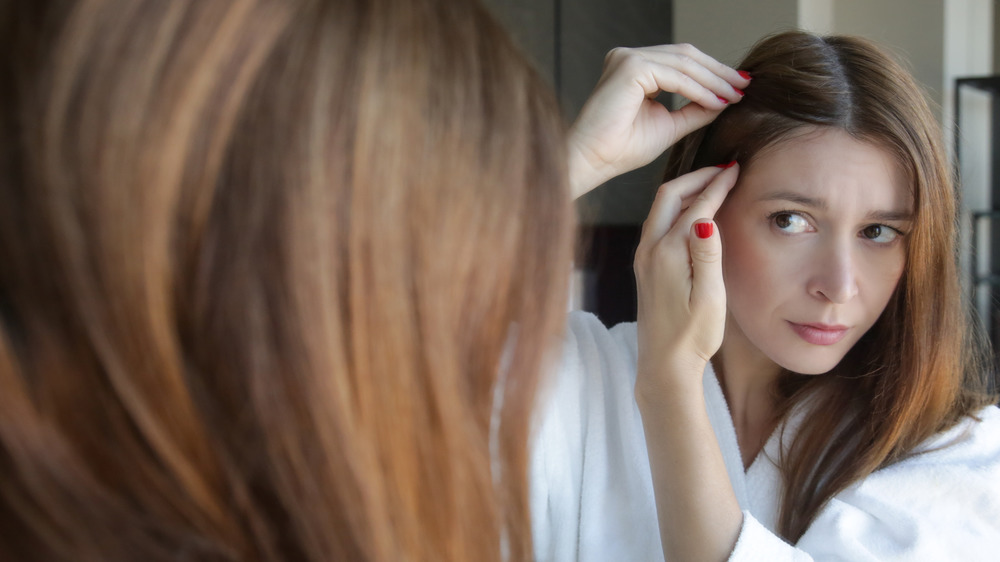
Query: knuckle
(615,54)
(685,61)
(687,49)
(711,254)
(641,255)
(705,199)
(688,81)
(630,60)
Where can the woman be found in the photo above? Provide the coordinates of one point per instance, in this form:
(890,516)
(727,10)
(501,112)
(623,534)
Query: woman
(800,380)
(243,267)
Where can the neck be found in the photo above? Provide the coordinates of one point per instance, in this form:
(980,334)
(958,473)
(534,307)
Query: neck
(747,378)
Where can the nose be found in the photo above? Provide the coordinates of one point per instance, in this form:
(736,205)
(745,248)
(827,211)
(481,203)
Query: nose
(834,277)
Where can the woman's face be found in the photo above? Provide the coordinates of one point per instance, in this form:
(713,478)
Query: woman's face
(813,248)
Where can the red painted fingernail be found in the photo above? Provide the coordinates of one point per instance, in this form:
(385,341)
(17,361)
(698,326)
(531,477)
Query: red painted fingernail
(723,100)
(740,92)
(745,75)
(727,165)
(704,229)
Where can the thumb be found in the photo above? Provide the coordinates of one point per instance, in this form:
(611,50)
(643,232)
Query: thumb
(692,117)
(707,286)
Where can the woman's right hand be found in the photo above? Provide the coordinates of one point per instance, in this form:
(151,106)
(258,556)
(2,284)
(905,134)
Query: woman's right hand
(622,127)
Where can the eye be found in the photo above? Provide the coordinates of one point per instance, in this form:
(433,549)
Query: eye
(880,233)
(789,222)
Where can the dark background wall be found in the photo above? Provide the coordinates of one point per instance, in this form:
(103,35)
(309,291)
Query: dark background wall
(568,39)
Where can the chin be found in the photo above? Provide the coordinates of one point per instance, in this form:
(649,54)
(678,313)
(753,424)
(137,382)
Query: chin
(809,370)
(811,364)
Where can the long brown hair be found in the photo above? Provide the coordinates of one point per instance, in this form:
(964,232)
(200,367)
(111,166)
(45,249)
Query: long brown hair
(915,372)
(266,268)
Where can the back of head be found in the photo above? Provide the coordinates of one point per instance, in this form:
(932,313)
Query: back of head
(259,265)
(914,373)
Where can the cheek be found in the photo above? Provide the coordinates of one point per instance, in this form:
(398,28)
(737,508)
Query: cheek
(884,273)
(752,270)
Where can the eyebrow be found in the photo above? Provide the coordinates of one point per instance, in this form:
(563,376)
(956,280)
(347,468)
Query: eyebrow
(821,205)
(796,198)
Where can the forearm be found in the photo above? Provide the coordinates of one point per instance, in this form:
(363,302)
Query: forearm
(699,516)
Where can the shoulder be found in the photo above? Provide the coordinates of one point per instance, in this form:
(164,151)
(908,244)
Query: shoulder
(977,434)
(591,358)
(966,451)
(941,503)
(962,461)
(587,337)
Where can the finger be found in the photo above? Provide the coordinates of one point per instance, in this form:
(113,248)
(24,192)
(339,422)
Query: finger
(710,199)
(722,80)
(726,72)
(723,90)
(708,289)
(655,70)
(688,79)
(670,199)
(692,117)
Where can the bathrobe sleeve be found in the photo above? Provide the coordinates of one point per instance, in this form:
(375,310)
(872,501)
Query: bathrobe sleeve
(942,504)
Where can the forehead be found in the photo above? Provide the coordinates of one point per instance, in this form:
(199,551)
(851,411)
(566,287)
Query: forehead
(828,164)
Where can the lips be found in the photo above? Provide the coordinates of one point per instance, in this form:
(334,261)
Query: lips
(820,334)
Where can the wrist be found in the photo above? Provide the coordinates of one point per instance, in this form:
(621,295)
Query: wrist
(584,175)
(669,383)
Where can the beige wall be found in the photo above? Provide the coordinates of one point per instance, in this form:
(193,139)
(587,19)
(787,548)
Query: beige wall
(938,39)
(816,15)
(914,29)
(725,29)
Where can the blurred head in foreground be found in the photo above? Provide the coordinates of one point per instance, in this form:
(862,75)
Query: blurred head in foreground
(259,265)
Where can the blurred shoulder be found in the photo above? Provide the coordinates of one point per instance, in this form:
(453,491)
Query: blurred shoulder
(587,335)
(974,440)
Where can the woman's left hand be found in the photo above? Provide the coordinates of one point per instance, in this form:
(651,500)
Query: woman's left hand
(622,127)
(682,314)
(678,269)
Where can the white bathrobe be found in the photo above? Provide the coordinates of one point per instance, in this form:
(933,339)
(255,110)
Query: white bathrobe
(592,492)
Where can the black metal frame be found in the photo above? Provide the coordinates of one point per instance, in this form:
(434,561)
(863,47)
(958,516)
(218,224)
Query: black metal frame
(990,280)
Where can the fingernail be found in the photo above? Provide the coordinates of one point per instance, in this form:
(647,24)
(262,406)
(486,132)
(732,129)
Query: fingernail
(725,166)
(723,100)
(704,229)
(740,92)
(745,74)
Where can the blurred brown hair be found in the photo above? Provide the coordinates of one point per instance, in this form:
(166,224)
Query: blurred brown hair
(260,261)
(917,371)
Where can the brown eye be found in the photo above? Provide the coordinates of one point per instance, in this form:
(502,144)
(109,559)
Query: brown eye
(879,233)
(789,223)
(872,232)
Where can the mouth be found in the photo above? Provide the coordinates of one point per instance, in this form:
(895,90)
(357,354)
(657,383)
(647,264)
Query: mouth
(819,334)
